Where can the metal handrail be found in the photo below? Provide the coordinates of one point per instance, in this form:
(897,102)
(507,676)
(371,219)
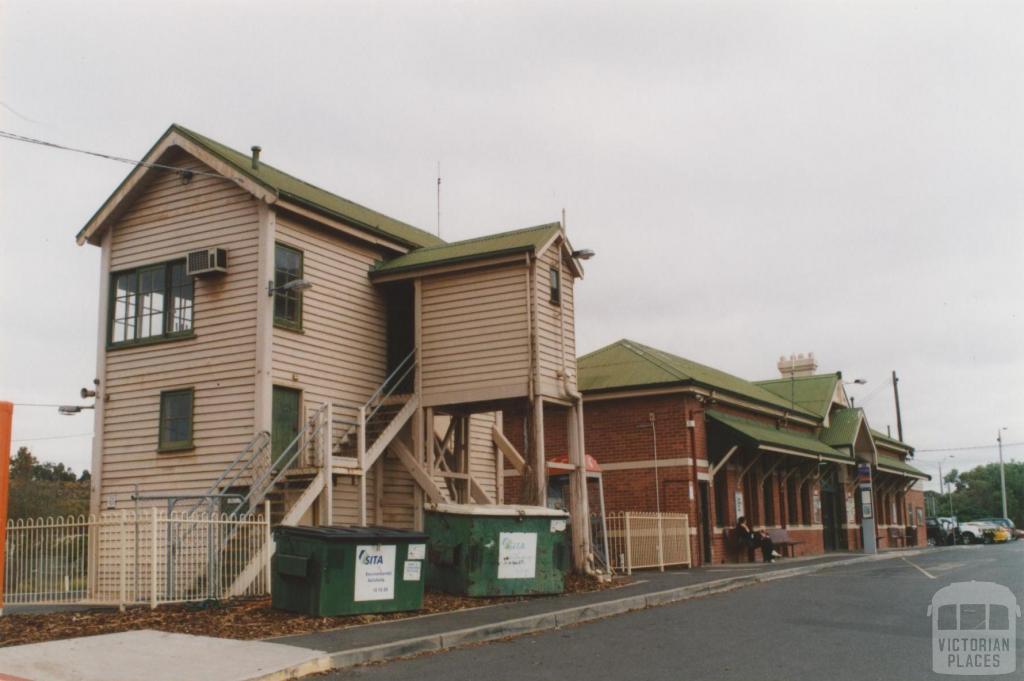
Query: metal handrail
(285,460)
(393,373)
(390,392)
(262,437)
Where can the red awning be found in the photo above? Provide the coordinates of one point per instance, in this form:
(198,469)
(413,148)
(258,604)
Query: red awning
(563,461)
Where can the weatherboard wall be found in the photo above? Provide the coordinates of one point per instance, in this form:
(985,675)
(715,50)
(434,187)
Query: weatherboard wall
(475,342)
(167,219)
(556,328)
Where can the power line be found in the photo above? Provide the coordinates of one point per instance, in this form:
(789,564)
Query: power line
(29,404)
(51,437)
(185,172)
(963,449)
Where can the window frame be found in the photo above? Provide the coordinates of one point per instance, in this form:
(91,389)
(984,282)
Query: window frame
(177,445)
(555,285)
(282,322)
(166,314)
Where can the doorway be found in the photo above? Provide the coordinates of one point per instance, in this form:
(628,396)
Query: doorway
(285,420)
(831,515)
(704,491)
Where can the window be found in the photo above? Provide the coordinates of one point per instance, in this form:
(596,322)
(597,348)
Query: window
(176,419)
(151,303)
(769,499)
(556,286)
(287,304)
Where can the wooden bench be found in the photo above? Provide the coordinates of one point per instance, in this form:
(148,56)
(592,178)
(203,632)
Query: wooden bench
(897,536)
(783,541)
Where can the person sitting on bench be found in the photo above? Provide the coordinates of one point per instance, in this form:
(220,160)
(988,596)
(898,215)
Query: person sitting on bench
(758,539)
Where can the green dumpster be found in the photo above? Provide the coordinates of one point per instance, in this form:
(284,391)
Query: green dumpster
(327,571)
(483,550)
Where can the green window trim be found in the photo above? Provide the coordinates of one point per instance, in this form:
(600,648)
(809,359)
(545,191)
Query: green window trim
(177,412)
(288,266)
(555,284)
(150,304)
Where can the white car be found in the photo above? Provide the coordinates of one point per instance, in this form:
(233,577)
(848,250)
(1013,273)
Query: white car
(976,532)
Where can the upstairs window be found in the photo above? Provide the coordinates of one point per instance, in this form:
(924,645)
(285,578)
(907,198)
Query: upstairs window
(151,303)
(287,304)
(555,282)
(176,420)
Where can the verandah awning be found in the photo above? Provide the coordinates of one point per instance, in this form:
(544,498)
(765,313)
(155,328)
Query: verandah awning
(766,438)
(891,464)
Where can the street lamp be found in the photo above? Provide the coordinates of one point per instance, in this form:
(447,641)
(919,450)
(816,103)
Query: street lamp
(856,381)
(1002,471)
(72,409)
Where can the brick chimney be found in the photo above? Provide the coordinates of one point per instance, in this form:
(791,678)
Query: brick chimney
(798,365)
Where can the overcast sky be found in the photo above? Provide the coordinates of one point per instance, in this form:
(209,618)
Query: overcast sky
(757,178)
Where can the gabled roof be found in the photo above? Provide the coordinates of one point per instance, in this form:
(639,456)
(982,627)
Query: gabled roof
(892,443)
(291,188)
(843,427)
(812,393)
(627,364)
(892,464)
(528,240)
(758,434)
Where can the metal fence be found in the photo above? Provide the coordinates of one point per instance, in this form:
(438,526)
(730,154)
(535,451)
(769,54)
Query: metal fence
(123,558)
(648,540)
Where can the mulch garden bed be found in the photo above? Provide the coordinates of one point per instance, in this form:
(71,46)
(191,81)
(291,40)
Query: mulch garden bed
(239,619)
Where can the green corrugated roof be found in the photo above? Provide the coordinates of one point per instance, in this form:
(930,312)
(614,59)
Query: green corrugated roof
(893,463)
(503,243)
(813,393)
(843,425)
(628,364)
(294,189)
(885,440)
(759,433)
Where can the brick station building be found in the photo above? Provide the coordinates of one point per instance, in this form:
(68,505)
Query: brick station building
(675,436)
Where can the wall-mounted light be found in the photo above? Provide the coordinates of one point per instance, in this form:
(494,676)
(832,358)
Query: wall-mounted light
(583,254)
(293,285)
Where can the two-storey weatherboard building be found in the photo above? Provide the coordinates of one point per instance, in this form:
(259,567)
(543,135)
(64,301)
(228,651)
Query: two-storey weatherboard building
(262,338)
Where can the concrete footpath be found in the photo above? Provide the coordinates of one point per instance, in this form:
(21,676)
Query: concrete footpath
(156,656)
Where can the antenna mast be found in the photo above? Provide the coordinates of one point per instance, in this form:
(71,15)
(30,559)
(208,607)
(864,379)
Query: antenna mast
(439,199)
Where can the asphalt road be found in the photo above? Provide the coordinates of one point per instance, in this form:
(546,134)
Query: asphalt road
(861,622)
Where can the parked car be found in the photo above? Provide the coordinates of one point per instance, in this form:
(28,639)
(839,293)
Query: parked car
(979,532)
(940,531)
(1006,523)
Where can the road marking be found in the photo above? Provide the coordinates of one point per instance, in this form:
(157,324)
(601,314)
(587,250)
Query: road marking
(915,565)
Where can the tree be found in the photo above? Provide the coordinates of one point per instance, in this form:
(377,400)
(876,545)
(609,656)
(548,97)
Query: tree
(38,490)
(977,493)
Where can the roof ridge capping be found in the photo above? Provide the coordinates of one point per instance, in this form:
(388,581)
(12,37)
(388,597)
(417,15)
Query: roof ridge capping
(510,242)
(281,183)
(669,367)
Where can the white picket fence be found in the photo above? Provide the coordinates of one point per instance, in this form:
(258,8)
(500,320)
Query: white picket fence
(122,558)
(647,540)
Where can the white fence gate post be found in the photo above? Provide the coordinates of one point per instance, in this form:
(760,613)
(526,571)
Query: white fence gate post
(153,560)
(124,561)
(268,542)
(629,546)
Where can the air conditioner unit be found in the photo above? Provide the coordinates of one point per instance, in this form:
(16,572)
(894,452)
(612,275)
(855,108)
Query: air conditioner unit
(207,261)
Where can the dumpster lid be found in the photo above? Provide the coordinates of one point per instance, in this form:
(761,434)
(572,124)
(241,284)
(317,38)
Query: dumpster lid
(514,510)
(379,535)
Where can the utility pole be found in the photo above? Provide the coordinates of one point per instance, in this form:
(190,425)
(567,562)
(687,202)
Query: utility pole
(1002,471)
(896,392)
